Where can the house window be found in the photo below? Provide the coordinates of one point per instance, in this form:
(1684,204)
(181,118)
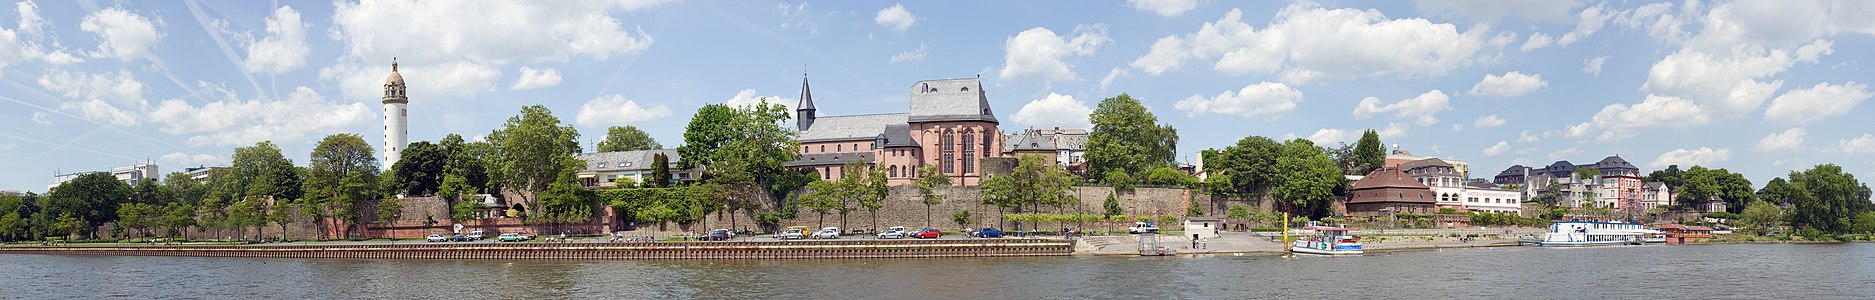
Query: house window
(839,148)
(601,165)
(969,152)
(948,152)
(823,148)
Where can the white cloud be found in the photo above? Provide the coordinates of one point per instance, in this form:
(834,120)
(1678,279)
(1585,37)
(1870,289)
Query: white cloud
(121,34)
(1537,41)
(1727,82)
(1488,122)
(1039,54)
(1493,10)
(1330,136)
(534,79)
(1593,66)
(1566,152)
(913,55)
(30,22)
(1588,21)
(184,159)
(1457,127)
(1788,140)
(1165,8)
(442,81)
(896,17)
(1263,100)
(1864,144)
(1500,148)
(98,110)
(1819,102)
(1393,131)
(1056,110)
(42,118)
(284,48)
(1526,137)
(1112,75)
(616,110)
(303,115)
(1692,157)
(1420,109)
(1621,121)
(748,97)
(1511,84)
(119,88)
(1308,43)
(449,50)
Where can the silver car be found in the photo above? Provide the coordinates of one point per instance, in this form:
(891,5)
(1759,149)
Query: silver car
(895,232)
(827,233)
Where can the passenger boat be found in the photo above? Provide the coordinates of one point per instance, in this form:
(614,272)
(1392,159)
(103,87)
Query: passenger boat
(1328,241)
(1583,233)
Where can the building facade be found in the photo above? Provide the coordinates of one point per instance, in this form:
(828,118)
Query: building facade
(1065,147)
(950,125)
(1388,191)
(1619,185)
(396,116)
(606,169)
(128,174)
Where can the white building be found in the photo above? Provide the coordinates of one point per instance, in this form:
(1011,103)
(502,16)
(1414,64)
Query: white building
(605,169)
(128,174)
(396,116)
(1485,197)
(201,174)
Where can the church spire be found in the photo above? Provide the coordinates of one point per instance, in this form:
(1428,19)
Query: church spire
(805,111)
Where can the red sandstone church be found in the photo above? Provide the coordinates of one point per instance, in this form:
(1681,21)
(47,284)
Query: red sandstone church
(950,125)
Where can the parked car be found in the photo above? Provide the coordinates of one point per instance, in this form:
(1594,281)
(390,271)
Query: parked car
(528,235)
(436,238)
(475,235)
(458,238)
(894,232)
(927,233)
(827,233)
(990,233)
(510,237)
(1142,227)
(719,235)
(793,233)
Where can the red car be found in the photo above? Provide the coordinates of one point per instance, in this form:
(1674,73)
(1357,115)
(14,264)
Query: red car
(927,233)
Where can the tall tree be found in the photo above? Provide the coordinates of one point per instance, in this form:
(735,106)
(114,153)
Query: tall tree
(627,138)
(419,169)
(1306,177)
(342,172)
(660,171)
(1128,137)
(1369,153)
(928,180)
(467,160)
(91,200)
(1828,199)
(742,148)
(261,170)
(389,210)
(532,151)
(565,202)
(872,191)
(1251,165)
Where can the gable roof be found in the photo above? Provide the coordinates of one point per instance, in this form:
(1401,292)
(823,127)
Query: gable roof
(950,100)
(855,127)
(1386,178)
(898,135)
(625,160)
(833,159)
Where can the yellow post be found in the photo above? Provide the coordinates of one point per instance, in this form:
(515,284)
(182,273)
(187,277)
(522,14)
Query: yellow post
(1285,241)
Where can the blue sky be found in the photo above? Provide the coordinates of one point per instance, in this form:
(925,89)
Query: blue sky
(1759,87)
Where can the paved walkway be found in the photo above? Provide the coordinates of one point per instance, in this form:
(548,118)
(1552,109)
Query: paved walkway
(1228,242)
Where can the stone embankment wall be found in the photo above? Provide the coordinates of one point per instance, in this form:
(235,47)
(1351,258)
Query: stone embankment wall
(903,207)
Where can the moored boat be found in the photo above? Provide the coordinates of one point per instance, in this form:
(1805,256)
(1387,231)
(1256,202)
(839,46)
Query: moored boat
(1582,233)
(1328,241)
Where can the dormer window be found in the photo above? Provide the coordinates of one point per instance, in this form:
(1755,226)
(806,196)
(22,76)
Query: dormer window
(601,165)
(966,89)
(626,164)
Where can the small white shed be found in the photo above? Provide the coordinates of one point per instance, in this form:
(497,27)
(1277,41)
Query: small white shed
(1203,227)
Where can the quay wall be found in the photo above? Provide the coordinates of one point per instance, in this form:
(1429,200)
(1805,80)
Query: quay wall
(593,251)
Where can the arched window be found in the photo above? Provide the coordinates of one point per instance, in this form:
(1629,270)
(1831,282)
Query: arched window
(970,156)
(947,152)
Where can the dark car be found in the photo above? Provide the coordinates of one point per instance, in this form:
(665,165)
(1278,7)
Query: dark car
(459,238)
(990,233)
(718,235)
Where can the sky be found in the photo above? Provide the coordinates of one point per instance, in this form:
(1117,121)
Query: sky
(1757,87)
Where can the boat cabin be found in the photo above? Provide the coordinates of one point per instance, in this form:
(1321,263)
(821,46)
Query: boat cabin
(1681,234)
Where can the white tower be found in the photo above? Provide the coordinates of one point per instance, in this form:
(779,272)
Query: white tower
(396,116)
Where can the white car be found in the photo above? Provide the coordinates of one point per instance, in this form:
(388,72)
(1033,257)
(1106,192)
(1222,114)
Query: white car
(1142,227)
(827,233)
(895,232)
(437,238)
(475,235)
(794,233)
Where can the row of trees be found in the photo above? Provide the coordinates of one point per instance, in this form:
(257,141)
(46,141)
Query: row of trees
(1295,172)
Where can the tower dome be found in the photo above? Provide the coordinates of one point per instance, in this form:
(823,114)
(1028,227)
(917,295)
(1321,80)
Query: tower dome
(396,79)
(394,86)
(396,116)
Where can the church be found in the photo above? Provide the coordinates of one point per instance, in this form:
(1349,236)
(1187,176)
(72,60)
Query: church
(949,125)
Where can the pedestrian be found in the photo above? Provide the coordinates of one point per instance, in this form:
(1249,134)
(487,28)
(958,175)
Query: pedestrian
(1204,243)
(1194,241)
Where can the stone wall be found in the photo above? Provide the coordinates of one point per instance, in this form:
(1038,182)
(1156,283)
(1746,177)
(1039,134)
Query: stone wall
(902,207)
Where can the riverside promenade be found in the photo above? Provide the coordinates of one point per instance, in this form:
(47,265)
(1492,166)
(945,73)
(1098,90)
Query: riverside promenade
(660,250)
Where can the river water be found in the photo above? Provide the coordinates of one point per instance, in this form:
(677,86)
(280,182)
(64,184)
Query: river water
(1816,271)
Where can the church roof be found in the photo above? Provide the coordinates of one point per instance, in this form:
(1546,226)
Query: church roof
(950,100)
(855,127)
(833,159)
(807,97)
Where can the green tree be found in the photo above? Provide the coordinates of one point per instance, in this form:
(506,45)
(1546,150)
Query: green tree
(1111,207)
(419,169)
(564,203)
(1777,191)
(281,213)
(1760,216)
(467,161)
(179,217)
(627,138)
(389,210)
(343,172)
(742,146)
(1171,177)
(465,211)
(1306,177)
(1369,153)
(1671,176)
(823,197)
(532,151)
(1033,182)
(660,171)
(1250,164)
(91,199)
(871,192)
(1128,137)
(961,217)
(928,180)
(1120,180)
(261,170)
(184,188)
(1828,200)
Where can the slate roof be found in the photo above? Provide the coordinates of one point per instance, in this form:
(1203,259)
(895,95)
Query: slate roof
(1429,166)
(1385,178)
(823,159)
(950,100)
(1028,142)
(898,135)
(1046,140)
(854,127)
(625,160)
(1614,162)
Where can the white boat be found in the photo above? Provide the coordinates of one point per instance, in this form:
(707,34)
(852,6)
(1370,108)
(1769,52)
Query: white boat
(1328,241)
(1581,233)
